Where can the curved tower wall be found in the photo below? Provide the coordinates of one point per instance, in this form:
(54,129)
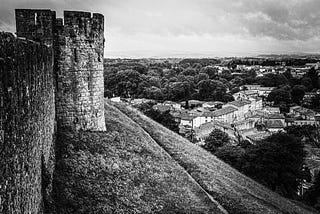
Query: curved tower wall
(79,46)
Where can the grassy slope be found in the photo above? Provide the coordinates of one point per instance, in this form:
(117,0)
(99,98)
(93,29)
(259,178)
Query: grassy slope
(122,170)
(234,191)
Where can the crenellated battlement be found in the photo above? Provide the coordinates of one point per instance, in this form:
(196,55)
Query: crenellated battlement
(84,24)
(77,40)
(41,25)
(51,78)
(36,25)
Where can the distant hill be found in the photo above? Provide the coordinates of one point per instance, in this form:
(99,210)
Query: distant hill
(139,166)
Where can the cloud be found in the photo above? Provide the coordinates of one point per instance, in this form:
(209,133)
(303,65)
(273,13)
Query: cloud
(285,25)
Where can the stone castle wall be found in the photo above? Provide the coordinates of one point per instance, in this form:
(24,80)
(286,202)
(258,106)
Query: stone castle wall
(36,25)
(79,69)
(27,124)
(52,77)
(78,45)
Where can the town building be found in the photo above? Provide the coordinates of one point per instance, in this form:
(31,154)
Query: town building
(303,113)
(243,107)
(262,91)
(172,104)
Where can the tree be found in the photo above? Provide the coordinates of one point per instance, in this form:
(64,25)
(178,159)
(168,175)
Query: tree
(313,75)
(273,80)
(288,74)
(220,95)
(211,71)
(164,118)
(279,96)
(315,102)
(312,196)
(189,72)
(216,139)
(201,76)
(309,133)
(211,89)
(153,93)
(277,163)
(306,82)
(178,91)
(297,93)
(232,155)
(124,83)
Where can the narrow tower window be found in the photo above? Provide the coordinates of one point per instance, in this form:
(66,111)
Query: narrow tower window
(35,18)
(75,55)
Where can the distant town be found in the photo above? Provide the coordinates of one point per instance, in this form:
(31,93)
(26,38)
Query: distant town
(249,99)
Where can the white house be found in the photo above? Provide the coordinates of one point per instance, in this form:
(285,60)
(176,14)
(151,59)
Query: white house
(262,91)
(245,94)
(172,104)
(243,107)
(209,105)
(274,125)
(306,114)
(191,119)
(272,110)
(115,99)
(256,104)
(226,114)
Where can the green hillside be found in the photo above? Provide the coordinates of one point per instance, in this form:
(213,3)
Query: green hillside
(138,166)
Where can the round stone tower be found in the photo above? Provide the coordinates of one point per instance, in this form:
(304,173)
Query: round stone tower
(79,45)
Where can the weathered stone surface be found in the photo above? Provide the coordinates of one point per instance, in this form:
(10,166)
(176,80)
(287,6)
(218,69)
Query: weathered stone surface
(26,124)
(78,62)
(53,72)
(79,66)
(36,25)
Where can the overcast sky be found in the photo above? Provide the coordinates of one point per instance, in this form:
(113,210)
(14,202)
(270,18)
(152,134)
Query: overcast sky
(145,28)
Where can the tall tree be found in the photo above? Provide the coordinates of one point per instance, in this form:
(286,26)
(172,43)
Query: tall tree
(273,80)
(208,88)
(313,75)
(279,96)
(297,93)
(216,139)
(312,196)
(277,163)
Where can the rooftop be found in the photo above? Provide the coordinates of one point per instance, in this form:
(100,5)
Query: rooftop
(302,110)
(224,111)
(239,103)
(275,116)
(274,124)
(258,136)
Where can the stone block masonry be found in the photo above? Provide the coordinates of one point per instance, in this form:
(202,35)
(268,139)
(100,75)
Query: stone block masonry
(52,77)
(27,124)
(78,46)
(37,25)
(79,69)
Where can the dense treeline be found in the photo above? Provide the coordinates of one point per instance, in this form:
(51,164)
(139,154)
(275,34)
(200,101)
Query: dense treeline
(183,81)
(274,61)
(291,90)
(199,79)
